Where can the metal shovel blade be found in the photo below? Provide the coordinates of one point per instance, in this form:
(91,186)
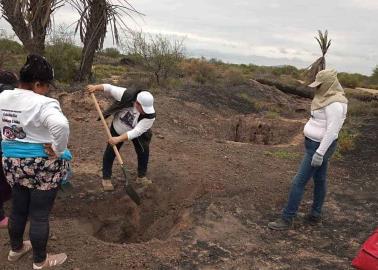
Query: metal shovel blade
(129,189)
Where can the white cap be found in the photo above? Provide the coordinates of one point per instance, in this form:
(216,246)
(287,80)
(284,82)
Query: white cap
(146,100)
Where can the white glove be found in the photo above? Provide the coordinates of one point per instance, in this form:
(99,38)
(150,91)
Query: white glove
(317,160)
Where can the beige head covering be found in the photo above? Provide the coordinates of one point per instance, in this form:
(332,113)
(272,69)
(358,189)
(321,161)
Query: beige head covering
(330,89)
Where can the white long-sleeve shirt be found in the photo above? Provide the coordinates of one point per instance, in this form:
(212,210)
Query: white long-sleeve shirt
(126,121)
(325,124)
(29,117)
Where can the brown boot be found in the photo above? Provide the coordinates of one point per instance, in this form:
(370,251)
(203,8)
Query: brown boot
(143,180)
(107,185)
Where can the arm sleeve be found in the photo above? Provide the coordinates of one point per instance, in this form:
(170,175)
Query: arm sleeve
(140,128)
(53,119)
(114,91)
(335,119)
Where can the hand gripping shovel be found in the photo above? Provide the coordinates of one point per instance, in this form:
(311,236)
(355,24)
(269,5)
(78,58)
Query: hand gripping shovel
(129,189)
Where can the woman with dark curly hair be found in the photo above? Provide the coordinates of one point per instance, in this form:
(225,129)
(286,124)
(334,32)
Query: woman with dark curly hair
(35,136)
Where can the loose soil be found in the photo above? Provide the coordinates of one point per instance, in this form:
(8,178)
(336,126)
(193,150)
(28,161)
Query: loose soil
(216,186)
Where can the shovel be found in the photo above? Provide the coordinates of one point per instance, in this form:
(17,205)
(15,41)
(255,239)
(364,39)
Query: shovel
(129,189)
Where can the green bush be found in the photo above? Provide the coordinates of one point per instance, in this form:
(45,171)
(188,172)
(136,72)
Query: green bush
(200,70)
(234,77)
(65,58)
(111,52)
(374,76)
(346,142)
(107,71)
(275,71)
(63,54)
(11,52)
(352,80)
(357,108)
(285,70)
(11,46)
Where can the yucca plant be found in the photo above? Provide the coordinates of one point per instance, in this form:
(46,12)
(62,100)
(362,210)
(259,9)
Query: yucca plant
(320,63)
(30,20)
(95,18)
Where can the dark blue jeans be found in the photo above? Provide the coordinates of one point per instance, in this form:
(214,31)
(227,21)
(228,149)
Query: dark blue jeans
(142,149)
(306,171)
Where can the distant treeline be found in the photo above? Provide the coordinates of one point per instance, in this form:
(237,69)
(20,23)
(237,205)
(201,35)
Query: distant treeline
(65,55)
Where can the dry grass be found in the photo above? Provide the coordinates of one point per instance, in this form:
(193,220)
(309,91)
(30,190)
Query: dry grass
(359,108)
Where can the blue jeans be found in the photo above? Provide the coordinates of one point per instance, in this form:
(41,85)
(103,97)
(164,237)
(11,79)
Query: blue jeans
(306,171)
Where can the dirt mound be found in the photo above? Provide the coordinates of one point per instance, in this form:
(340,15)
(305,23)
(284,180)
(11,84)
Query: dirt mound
(247,98)
(191,118)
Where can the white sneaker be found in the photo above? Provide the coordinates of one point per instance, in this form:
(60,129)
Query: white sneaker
(15,256)
(51,261)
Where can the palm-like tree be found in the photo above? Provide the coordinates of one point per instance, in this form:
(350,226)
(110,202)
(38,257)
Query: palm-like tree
(95,17)
(30,20)
(320,63)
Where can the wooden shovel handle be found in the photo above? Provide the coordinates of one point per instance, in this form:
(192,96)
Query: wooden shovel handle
(119,158)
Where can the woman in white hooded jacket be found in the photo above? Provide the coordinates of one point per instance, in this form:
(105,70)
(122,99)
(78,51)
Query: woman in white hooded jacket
(328,113)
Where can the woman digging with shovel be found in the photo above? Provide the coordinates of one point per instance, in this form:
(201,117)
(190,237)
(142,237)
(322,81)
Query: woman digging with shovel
(133,116)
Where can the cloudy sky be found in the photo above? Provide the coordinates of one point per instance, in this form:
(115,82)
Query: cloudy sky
(264,32)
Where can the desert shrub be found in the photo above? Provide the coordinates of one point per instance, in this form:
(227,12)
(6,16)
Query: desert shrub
(111,52)
(9,50)
(273,71)
(131,60)
(234,77)
(346,140)
(200,70)
(215,61)
(173,83)
(141,80)
(101,59)
(345,143)
(157,54)
(352,80)
(285,70)
(63,54)
(11,46)
(107,71)
(357,108)
(374,77)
